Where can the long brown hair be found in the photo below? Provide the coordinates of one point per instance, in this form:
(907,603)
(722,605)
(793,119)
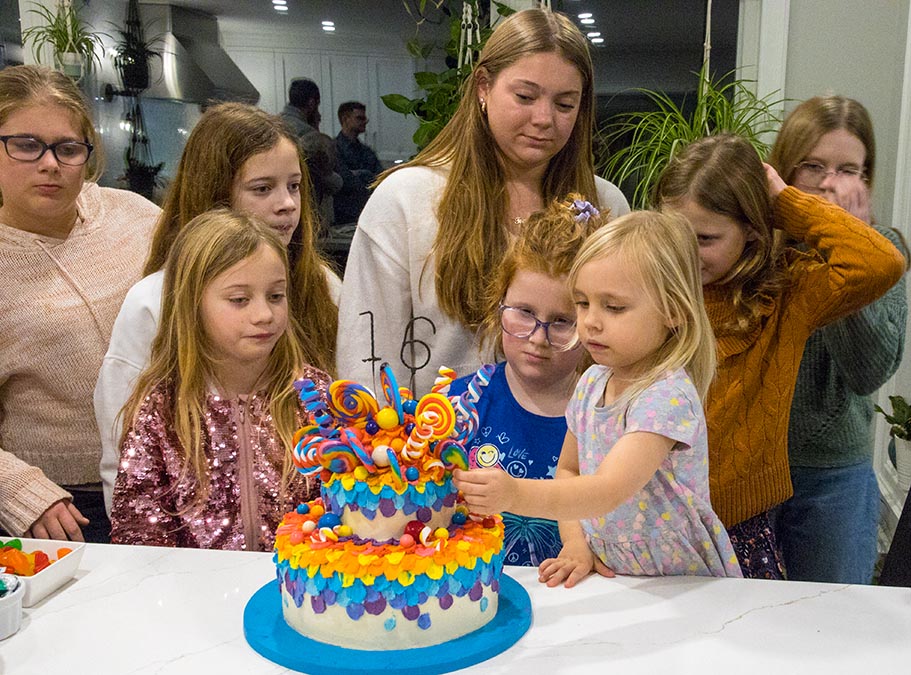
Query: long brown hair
(813,119)
(226,136)
(472,236)
(724,174)
(25,86)
(548,244)
(182,357)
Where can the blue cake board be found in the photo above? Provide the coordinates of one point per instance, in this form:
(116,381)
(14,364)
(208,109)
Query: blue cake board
(268,634)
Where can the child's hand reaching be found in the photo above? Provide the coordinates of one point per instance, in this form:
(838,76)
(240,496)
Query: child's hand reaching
(487,490)
(575,562)
(776,184)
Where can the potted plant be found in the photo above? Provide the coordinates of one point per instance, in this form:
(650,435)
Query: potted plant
(133,53)
(73,43)
(900,430)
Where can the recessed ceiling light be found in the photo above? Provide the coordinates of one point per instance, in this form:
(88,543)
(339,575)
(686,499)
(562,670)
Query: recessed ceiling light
(595,34)
(281,8)
(279,2)
(587,22)
(597,41)
(585,15)
(329,29)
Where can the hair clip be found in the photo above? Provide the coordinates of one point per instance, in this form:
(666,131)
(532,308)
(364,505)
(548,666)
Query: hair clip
(584,210)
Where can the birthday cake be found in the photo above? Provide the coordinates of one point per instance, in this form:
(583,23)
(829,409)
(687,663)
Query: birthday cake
(387,557)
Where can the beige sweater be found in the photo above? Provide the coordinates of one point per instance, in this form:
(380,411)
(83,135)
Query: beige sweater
(58,301)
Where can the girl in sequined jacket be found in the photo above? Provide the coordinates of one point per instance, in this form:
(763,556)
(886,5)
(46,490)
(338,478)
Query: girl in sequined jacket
(205,454)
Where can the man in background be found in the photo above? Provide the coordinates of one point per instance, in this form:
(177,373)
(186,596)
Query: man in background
(357,163)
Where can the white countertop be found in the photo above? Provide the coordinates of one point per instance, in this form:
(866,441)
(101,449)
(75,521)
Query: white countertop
(133,609)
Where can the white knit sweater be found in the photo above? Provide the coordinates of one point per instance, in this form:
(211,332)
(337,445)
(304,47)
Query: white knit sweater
(384,284)
(58,301)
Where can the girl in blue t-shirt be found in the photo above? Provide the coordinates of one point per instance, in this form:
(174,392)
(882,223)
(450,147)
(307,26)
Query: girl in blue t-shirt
(531,322)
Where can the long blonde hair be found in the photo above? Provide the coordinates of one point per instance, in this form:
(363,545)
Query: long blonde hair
(548,244)
(182,358)
(662,249)
(226,136)
(25,86)
(472,234)
(723,174)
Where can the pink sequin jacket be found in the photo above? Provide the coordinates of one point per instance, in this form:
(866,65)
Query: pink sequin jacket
(245,458)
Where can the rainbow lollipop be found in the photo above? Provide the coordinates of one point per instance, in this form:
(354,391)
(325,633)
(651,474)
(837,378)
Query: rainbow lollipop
(352,403)
(391,391)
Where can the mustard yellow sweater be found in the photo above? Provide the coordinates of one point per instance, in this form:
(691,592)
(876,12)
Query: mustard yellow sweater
(748,405)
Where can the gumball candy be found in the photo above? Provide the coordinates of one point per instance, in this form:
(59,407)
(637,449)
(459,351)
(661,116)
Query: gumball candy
(344,531)
(303,508)
(380,456)
(409,406)
(329,520)
(387,418)
(372,427)
(361,473)
(409,427)
(412,473)
(413,529)
(441,533)
(317,510)
(459,518)
(308,526)
(296,537)
(407,541)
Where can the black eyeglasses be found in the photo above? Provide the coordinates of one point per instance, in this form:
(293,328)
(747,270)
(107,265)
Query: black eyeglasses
(522,324)
(28,149)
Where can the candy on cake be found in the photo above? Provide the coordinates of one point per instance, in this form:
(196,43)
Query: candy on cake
(387,557)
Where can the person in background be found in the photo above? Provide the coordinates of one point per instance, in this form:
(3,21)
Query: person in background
(303,116)
(69,250)
(828,529)
(435,230)
(632,489)
(522,411)
(242,157)
(207,444)
(764,303)
(358,163)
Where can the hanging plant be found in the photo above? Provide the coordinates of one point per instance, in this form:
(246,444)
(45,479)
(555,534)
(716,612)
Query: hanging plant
(440,92)
(74,45)
(133,53)
(141,173)
(638,145)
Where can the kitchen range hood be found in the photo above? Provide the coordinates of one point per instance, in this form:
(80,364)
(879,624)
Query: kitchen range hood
(194,68)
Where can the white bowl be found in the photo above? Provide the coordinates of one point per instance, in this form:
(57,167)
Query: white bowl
(11,608)
(52,577)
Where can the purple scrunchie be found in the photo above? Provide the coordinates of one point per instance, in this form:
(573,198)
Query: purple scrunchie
(584,210)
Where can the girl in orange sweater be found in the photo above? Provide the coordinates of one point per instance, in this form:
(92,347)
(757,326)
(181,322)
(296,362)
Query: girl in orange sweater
(763,303)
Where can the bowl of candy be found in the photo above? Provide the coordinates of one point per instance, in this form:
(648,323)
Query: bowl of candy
(41,565)
(11,591)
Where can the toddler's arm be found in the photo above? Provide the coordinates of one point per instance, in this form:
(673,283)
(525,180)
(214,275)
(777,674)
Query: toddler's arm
(631,463)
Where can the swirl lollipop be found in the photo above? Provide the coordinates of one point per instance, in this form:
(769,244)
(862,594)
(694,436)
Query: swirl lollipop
(434,418)
(362,454)
(391,391)
(337,456)
(306,455)
(351,403)
(452,455)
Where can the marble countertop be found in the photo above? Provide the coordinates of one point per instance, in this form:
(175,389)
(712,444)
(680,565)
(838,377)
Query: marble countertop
(133,609)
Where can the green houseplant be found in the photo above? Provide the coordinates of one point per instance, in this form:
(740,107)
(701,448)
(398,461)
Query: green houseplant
(75,47)
(133,52)
(646,141)
(439,93)
(900,430)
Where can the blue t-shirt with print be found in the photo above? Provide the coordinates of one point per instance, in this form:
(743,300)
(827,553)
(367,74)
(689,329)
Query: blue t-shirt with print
(525,445)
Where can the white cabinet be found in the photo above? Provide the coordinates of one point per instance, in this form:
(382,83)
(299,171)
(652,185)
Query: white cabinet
(341,76)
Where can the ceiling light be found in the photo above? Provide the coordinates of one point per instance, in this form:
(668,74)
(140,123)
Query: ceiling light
(595,34)
(279,2)
(329,29)
(597,41)
(328,23)
(281,8)
(585,15)
(587,22)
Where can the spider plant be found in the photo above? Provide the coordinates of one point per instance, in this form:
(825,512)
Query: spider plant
(646,141)
(64,32)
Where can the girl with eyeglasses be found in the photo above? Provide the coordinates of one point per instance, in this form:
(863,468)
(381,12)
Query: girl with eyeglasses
(764,302)
(632,493)
(828,529)
(531,323)
(69,251)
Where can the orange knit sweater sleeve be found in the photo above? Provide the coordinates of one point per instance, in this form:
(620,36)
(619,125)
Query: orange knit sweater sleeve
(858,264)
